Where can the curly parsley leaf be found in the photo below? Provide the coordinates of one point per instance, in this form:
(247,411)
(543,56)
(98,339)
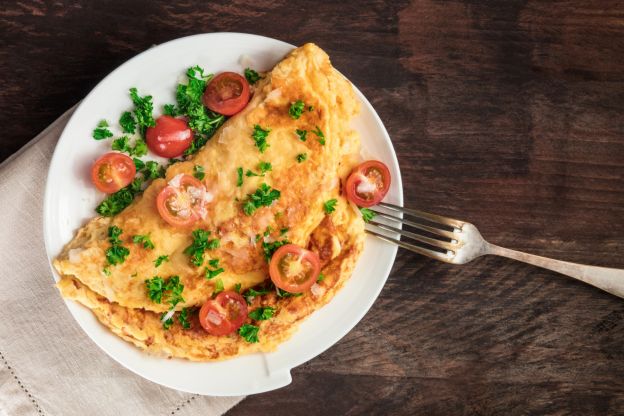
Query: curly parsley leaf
(320,135)
(367,214)
(249,332)
(259,136)
(296,109)
(270,248)
(251,293)
(116,253)
(138,164)
(143,108)
(302,134)
(183,318)
(117,202)
(237,287)
(122,144)
(160,260)
(169,290)
(201,243)
(170,110)
(263,197)
(215,271)
(144,240)
(102,132)
(198,172)
(330,206)
(263,167)
(302,157)
(153,170)
(251,76)
(284,294)
(320,278)
(239,180)
(127,122)
(218,287)
(262,314)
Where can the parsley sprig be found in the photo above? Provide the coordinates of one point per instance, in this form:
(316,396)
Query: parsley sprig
(367,214)
(169,290)
(302,134)
(145,240)
(214,271)
(270,248)
(330,206)
(122,144)
(161,259)
(102,132)
(251,76)
(117,202)
(296,109)
(320,135)
(116,253)
(262,313)
(201,243)
(143,108)
(263,167)
(198,172)
(249,332)
(259,136)
(263,197)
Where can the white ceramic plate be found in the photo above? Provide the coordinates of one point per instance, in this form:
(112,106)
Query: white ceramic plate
(70,200)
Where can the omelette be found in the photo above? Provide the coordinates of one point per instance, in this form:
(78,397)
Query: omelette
(117,294)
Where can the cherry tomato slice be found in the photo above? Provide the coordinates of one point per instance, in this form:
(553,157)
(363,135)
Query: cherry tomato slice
(293,268)
(170,137)
(368,184)
(112,172)
(223,314)
(179,204)
(227,93)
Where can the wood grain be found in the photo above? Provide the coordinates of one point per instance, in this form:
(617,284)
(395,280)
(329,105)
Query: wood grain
(505,114)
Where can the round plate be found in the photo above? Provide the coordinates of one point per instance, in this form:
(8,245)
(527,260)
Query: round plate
(70,200)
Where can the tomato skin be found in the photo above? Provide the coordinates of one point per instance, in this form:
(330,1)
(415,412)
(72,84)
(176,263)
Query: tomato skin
(112,171)
(293,250)
(170,137)
(377,173)
(227,93)
(170,192)
(229,308)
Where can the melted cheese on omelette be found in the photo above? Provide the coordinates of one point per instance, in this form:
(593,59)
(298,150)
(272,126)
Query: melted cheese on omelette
(120,299)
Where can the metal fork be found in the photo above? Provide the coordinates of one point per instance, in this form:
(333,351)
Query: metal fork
(458,242)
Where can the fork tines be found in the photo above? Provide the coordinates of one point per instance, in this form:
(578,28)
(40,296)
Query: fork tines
(428,234)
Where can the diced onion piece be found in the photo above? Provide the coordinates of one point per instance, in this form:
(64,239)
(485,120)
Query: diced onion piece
(366,186)
(168,315)
(74,255)
(214,317)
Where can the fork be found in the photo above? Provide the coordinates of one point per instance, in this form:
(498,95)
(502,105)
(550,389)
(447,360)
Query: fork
(459,242)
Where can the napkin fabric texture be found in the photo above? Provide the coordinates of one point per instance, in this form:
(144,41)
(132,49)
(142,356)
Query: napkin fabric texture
(48,365)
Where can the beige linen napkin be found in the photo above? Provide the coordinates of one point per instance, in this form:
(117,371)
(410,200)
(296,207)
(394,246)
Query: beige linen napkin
(48,365)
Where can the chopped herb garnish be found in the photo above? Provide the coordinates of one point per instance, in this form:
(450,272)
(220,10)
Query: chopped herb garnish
(251,75)
(115,203)
(263,197)
(320,278)
(320,135)
(170,290)
(249,332)
(173,161)
(262,313)
(102,132)
(310,108)
(239,181)
(251,293)
(270,248)
(215,271)
(127,122)
(284,294)
(296,109)
(183,318)
(143,239)
(201,243)
(116,253)
(301,157)
(198,172)
(122,144)
(160,260)
(283,231)
(106,271)
(367,214)
(259,136)
(170,110)
(302,134)
(330,206)
(143,108)
(138,164)
(263,167)
(153,170)
(237,287)
(218,287)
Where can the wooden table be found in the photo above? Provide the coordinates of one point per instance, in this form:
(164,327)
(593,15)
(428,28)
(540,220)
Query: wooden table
(505,114)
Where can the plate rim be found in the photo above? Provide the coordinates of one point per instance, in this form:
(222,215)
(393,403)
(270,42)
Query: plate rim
(280,379)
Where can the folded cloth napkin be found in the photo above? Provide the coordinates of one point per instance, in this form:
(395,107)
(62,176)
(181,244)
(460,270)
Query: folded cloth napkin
(48,365)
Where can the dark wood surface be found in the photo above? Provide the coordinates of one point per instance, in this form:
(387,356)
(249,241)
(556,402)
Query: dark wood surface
(506,114)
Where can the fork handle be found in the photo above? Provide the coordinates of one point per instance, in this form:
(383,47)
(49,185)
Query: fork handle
(607,279)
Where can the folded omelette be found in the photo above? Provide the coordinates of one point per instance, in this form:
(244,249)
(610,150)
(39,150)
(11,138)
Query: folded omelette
(118,296)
